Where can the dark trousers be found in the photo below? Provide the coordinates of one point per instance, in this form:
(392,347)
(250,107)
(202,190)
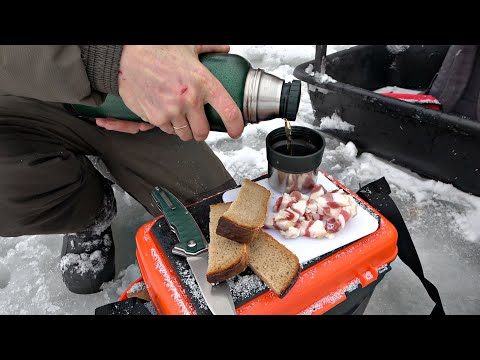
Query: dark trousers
(48,185)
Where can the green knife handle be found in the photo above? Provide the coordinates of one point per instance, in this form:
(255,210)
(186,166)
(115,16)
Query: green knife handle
(190,237)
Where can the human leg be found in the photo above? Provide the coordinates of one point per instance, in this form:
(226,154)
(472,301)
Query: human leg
(48,186)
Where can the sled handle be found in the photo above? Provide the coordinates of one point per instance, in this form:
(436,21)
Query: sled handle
(320,58)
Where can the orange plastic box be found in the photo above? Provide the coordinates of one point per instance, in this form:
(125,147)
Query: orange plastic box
(334,283)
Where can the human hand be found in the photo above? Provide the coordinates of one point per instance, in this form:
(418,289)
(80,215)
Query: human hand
(167,86)
(123,125)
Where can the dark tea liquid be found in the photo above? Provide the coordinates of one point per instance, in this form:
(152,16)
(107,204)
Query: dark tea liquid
(288,132)
(296,147)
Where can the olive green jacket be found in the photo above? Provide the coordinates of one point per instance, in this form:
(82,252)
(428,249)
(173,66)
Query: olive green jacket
(60,73)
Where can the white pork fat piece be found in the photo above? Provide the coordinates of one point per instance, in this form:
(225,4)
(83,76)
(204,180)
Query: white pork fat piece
(318,215)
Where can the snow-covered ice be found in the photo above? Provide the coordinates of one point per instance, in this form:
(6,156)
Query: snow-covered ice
(443,221)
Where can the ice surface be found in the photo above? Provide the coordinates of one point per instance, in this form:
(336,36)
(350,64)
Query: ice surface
(443,221)
(30,276)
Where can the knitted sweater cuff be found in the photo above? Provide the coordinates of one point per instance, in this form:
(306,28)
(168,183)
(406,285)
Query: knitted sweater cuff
(102,63)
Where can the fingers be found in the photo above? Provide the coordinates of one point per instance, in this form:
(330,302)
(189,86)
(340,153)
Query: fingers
(146,126)
(125,126)
(167,128)
(159,119)
(182,128)
(212,48)
(228,110)
(198,123)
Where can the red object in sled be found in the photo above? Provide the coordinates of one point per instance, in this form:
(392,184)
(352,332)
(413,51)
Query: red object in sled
(427,101)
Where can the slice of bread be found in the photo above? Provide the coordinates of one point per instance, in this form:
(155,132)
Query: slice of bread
(246,215)
(226,258)
(272,262)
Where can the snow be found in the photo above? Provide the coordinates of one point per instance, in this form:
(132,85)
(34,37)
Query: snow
(324,78)
(396,89)
(171,283)
(140,286)
(150,307)
(321,78)
(442,220)
(331,298)
(243,286)
(335,122)
(84,263)
(395,49)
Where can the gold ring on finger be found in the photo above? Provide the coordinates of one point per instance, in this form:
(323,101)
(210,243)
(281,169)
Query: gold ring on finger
(180,127)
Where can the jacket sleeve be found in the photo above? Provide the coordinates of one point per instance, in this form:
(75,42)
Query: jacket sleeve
(60,73)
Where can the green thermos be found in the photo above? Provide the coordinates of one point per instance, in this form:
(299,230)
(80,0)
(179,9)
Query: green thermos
(259,95)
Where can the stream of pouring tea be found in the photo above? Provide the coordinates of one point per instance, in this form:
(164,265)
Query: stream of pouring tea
(288,132)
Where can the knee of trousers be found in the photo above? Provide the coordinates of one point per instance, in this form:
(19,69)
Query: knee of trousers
(51,195)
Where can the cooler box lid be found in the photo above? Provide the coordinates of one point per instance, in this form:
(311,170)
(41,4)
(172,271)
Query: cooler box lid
(321,285)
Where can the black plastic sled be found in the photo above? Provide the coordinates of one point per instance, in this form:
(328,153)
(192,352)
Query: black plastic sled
(430,142)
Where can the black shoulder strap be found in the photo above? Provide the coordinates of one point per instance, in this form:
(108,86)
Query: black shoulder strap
(377,194)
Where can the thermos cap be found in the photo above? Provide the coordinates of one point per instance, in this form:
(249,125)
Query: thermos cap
(266,97)
(290,100)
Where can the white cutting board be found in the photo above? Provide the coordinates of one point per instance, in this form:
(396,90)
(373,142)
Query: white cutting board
(307,248)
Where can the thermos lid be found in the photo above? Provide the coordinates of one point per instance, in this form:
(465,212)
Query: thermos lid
(290,99)
(307,145)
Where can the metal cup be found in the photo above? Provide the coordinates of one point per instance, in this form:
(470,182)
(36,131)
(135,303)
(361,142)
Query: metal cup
(295,168)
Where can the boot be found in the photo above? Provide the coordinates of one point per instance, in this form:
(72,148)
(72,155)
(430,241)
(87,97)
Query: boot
(88,256)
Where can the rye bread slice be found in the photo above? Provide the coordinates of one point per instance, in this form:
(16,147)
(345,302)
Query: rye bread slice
(243,220)
(226,258)
(272,262)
